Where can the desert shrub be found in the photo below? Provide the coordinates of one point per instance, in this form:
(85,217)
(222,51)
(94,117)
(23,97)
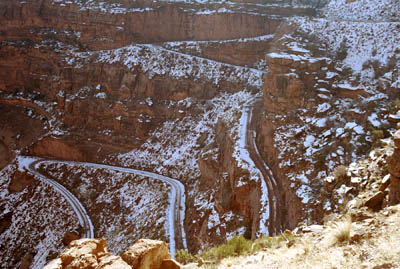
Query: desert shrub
(184,257)
(320,160)
(397,102)
(273,241)
(236,246)
(341,232)
(240,245)
(269,241)
(224,251)
(342,50)
(377,135)
(340,173)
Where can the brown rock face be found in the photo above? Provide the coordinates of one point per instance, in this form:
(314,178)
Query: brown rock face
(100,104)
(20,181)
(56,148)
(170,264)
(87,253)
(394,170)
(375,202)
(22,132)
(5,222)
(69,237)
(161,22)
(394,191)
(112,262)
(146,253)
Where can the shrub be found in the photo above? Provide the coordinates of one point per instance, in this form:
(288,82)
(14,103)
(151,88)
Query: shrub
(184,257)
(341,234)
(240,245)
(396,103)
(342,50)
(377,135)
(236,246)
(224,251)
(340,173)
(273,241)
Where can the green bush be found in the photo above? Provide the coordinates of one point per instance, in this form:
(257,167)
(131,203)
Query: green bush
(240,245)
(272,241)
(224,251)
(184,257)
(236,246)
(377,135)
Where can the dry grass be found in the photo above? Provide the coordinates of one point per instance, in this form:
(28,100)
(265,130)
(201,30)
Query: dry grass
(341,231)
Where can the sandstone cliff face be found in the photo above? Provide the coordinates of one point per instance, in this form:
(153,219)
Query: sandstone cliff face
(95,103)
(27,126)
(129,25)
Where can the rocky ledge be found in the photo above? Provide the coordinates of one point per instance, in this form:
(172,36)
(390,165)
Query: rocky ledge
(93,253)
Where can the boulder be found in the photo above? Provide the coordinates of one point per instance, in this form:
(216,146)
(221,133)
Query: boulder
(170,264)
(385,182)
(375,202)
(146,253)
(85,250)
(93,253)
(84,260)
(112,262)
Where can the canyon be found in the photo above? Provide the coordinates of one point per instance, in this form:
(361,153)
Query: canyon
(229,113)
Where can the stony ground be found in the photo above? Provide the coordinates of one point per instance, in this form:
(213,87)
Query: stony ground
(373,244)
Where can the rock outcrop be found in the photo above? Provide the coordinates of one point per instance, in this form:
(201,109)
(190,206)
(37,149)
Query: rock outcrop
(394,169)
(93,253)
(146,253)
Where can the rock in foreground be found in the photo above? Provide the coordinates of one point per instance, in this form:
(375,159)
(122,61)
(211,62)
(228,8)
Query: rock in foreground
(93,253)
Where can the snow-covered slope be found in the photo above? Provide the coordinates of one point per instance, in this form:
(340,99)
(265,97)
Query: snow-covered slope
(154,60)
(175,150)
(124,207)
(347,99)
(363,10)
(40,218)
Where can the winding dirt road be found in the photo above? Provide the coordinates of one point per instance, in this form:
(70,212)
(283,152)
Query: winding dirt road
(275,220)
(175,210)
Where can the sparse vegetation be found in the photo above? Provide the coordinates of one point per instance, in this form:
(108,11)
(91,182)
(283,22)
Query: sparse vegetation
(237,246)
(184,257)
(340,174)
(377,135)
(341,232)
(342,51)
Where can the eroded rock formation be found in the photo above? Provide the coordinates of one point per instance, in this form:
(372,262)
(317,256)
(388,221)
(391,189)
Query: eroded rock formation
(93,253)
